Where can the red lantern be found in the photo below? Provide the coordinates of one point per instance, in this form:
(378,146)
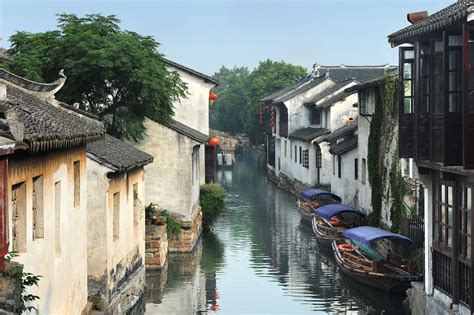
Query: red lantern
(214,141)
(212,96)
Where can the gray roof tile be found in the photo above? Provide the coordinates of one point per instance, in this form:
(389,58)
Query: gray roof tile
(187,131)
(46,126)
(335,73)
(344,146)
(118,154)
(453,14)
(342,132)
(326,92)
(308,134)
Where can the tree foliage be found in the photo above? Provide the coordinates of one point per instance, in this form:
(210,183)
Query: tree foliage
(115,74)
(227,113)
(240,91)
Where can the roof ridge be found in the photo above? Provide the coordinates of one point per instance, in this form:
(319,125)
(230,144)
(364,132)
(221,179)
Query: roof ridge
(45,89)
(343,66)
(192,71)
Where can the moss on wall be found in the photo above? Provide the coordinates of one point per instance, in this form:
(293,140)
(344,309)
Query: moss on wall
(383,165)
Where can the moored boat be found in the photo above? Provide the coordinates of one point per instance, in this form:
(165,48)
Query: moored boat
(312,199)
(375,257)
(331,220)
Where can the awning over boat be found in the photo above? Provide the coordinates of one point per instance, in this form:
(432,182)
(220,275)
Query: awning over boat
(328,211)
(311,194)
(368,234)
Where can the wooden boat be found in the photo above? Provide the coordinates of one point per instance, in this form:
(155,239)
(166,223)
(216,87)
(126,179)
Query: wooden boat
(331,220)
(312,199)
(372,256)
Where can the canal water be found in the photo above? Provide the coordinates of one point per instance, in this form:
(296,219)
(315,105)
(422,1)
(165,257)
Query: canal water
(259,258)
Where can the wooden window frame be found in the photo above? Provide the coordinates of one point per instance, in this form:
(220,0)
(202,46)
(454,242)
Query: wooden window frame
(306,158)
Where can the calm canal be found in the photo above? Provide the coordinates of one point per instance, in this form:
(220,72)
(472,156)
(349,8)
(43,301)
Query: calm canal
(259,259)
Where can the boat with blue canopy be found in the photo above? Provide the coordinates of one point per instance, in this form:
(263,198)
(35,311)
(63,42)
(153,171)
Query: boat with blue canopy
(376,257)
(330,221)
(312,199)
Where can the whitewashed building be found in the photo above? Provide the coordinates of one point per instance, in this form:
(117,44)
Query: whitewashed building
(47,190)
(172,181)
(345,156)
(306,113)
(116,220)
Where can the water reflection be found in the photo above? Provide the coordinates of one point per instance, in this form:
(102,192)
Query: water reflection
(259,258)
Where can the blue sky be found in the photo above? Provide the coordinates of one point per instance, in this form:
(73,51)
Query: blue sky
(205,35)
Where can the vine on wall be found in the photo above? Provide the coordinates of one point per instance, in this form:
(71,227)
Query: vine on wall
(383,164)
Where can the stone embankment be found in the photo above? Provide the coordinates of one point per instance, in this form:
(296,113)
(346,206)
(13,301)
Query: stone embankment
(156,246)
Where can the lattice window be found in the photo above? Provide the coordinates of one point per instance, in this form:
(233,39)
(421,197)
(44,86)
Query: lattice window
(318,158)
(306,158)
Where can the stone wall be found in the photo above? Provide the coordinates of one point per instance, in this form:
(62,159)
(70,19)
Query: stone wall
(10,292)
(191,230)
(284,182)
(156,246)
(438,303)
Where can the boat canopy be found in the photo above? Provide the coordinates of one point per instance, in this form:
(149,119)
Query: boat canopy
(311,194)
(368,234)
(328,211)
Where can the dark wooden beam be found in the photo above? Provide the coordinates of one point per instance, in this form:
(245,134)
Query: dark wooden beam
(455,231)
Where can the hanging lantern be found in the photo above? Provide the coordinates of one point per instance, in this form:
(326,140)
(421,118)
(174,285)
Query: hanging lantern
(212,96)
(214,141)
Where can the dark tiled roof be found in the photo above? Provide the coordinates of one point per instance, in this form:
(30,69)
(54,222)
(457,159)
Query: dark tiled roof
(31,85)
(117,154)
(453,14)
(357,73)
(191,71)
(326,92)
(369,84)
(342,132)
(334,99)
(335,73)
(46,126)
(285,90)
(309,84)
(189,132)
(344,146)
(308,133)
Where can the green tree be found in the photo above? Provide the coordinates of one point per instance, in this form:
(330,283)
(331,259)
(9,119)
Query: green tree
(227,113)
(269,77)
(115,74)
(239,92)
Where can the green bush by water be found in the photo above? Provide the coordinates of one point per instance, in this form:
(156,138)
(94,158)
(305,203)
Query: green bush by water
(212,203)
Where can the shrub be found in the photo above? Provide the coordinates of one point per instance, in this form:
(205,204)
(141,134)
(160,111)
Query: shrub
(172,225)
(212,203)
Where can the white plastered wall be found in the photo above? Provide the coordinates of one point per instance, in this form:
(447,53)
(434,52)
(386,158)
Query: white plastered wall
(63,284)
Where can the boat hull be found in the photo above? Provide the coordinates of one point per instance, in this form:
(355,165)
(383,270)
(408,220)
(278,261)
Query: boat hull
(321,238)
(372,279)
(307,214)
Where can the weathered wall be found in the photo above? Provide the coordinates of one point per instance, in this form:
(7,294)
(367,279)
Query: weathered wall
(156,246)
(124,255)
(168,180)
(364,190)
(346,186)
(57,296)
(193,110)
